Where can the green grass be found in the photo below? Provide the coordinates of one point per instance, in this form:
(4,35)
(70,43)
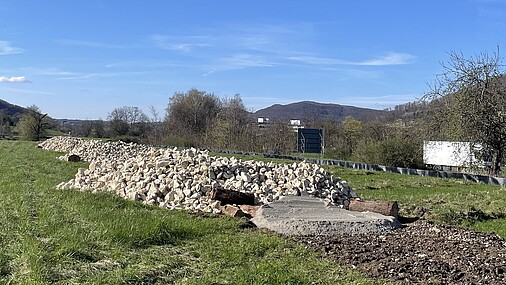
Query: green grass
(52,133)
(48,236)
(452,201)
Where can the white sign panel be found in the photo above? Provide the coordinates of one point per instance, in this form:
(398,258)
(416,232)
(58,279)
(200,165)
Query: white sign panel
(448,153)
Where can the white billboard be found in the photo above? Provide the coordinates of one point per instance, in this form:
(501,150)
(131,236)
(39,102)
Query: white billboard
(461,154)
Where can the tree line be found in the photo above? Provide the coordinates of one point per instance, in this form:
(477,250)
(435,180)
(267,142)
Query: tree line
(466,102)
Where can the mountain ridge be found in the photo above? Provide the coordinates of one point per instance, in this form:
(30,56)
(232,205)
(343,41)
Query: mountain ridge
(11,109)
(306,110)
(303,110)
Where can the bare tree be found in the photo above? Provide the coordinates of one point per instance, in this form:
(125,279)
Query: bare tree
(229,128)
(127,120)
(33,124)
(189,115)
(155,115)
(470,101)
(154,132)
(5,124)
(277,138)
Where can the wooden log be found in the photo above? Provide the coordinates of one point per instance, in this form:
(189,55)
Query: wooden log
(232,197)
(387,208)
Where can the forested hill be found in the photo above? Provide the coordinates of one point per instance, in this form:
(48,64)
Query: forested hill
(11,109)
(312,110)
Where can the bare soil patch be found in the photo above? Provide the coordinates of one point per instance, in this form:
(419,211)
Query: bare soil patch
(420,253)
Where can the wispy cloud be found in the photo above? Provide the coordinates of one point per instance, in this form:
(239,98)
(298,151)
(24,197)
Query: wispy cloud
(90,44)
(240,61)
(315,60)
(389,59)
(51,71)
(185,44)
(393,58)
(346,73)
(378,102)
(14,79)
(259,46)
(6,48)
(24,91)
(147,64)
(78,76)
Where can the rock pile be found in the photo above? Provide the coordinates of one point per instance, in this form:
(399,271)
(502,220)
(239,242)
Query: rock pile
(184,179)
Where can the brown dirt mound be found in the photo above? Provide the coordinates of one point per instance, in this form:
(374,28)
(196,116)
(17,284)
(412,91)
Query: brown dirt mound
(420,253)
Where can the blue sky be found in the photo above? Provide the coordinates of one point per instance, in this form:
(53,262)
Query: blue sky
(82,59)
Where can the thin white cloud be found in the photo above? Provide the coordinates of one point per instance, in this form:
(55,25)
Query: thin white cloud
(99,75)
(89,44)
(185,44)
(393,58)
(315,60)
(247,60)
(24,91)
(389,59)
(51,71)
(147,64)
(240,61)
(346,73)
(80,76)
(7,49)
(14,79)
(378,102)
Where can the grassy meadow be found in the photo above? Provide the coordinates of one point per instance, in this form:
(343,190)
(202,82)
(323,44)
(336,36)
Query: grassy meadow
(49,236)
(451,201)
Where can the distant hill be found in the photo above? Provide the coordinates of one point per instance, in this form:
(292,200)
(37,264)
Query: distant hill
(306,110)
(11,109)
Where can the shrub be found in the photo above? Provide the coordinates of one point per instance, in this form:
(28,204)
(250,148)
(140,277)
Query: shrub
(400,152)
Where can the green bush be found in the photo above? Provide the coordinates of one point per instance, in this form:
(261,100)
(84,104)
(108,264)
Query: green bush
(400,152)
(368,152)
(341,153)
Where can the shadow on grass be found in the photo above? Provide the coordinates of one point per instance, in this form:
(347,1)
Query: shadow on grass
(469,217)
(162,234)
(5,269)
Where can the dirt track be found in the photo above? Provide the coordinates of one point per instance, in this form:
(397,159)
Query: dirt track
(420,253)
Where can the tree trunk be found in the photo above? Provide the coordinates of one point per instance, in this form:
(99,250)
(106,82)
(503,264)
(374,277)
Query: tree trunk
(497,162)
(387,208)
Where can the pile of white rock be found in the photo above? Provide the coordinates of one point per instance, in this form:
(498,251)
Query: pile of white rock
(184,179)
(91,150)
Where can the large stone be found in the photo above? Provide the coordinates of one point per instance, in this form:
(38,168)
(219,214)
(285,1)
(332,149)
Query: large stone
(306,215)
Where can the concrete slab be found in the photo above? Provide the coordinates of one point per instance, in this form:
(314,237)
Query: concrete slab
(307,215)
